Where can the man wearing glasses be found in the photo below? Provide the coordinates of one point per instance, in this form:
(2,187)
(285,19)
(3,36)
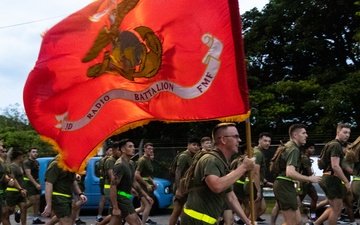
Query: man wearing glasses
(212,180)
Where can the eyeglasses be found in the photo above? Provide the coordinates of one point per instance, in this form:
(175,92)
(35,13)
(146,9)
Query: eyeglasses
(236,136)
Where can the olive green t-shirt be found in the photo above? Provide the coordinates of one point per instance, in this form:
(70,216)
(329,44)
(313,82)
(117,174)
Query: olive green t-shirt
(6,166)
(305,163)
(124,171)
(62,180)
(33,166)
(109,164)
(292,156)
(334,150)
(203,200)
(184,161)
(145,167)
(101,166)
(260,160)
(18,173)
(3,184)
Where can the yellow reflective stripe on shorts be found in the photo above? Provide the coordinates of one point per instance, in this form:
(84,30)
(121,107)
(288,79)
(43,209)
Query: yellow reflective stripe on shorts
(107,186)
(145,178)
(285,178)
(199,216)
(356,178)
(61,194)
(123,193)
(11,189)
(25,178)
(240,182)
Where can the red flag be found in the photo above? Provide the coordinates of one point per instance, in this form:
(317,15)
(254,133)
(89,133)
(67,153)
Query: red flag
(113,66)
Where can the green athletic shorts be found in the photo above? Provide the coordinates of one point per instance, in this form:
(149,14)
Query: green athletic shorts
(2,199)
(285,194)
(101,183)
(61,206)
(332,187)
(14,198)
(31,189)
(125,206)
(107,192)
(247,189)
(150,193)
(355,187)
(239,192)
(307,188)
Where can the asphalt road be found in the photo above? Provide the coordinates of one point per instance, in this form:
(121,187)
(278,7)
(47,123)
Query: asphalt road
(161,218)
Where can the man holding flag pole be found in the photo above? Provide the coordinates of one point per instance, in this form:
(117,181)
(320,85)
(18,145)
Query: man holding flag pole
(212,181)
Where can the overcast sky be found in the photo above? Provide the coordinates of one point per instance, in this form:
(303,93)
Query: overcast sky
(20,30)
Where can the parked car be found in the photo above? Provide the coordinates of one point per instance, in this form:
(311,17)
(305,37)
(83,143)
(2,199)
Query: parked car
(163,194)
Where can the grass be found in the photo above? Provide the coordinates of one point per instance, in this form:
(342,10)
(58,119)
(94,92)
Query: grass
(269,205)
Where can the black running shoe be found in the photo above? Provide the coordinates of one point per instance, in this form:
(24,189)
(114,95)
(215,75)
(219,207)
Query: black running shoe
(17,216)
(149,221)
(38,221)
(79,221)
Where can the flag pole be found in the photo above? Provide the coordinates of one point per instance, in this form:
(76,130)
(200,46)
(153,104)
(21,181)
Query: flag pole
(249,153)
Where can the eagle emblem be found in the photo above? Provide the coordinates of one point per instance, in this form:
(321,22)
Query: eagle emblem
(134,53)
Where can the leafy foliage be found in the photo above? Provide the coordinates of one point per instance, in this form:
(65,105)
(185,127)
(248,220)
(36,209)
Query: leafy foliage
(15,131)
(303,64)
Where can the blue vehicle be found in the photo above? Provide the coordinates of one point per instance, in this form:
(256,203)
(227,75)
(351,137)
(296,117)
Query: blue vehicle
(163,194)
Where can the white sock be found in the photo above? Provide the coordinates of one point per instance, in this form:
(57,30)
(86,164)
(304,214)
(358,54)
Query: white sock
(313,215)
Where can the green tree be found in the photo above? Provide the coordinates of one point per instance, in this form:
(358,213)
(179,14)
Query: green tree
(16,131)
(14,116)
(300,57)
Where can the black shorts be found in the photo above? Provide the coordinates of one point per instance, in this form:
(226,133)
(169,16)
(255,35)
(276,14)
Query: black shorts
(239,192)
(307,188)
(101,183)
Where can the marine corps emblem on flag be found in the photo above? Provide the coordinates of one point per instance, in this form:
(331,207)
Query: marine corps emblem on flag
(135,53)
